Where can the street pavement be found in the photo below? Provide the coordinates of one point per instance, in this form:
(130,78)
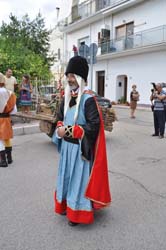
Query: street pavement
(134,221)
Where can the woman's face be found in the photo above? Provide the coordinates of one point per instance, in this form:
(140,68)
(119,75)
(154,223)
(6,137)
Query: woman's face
(24,79)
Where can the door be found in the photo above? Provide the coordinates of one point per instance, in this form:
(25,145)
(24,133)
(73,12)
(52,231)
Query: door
(125,32)
(125,88)
(101,82)
(121,88)
(129,35)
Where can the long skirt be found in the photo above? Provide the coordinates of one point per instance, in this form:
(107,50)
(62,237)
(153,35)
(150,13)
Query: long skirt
(73,175)
(133,104)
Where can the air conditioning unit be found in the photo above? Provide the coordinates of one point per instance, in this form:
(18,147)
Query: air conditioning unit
(105,33)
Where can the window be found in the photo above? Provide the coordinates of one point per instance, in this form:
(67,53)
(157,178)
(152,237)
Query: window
(124,30)
(125,34)
(104,40)
(120,32)
(74,13)
(101,4)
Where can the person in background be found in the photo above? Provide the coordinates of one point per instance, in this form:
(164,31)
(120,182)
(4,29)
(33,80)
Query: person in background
(10,81)
(82,182)
(158,97)
(134,98)
(163,85)
(60,89)
(75,50)
(25,94)
(7,106)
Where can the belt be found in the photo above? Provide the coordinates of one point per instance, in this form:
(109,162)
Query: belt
(4,115)
(71,140)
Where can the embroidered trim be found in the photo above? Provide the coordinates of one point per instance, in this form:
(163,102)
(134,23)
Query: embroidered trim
(69,131)
(80,216)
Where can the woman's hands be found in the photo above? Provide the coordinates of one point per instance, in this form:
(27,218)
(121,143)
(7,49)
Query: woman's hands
(23,88)
(61,131)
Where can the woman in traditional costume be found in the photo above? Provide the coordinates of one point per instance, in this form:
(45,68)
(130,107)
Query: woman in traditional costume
(7,106)
(82,182)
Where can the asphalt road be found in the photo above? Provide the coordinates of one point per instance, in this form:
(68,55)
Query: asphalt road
(136,220)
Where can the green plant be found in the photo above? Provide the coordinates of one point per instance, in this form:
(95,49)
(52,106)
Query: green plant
(122,100)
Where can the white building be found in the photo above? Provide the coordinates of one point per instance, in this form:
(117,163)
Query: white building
(131,40)
(56,46)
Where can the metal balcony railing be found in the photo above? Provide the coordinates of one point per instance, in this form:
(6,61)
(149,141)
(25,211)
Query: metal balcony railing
(88,8)
(140,39)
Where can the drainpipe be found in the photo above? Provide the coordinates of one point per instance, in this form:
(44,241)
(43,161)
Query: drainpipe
(91,62)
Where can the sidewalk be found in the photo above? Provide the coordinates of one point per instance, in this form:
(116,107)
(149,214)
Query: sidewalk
(143,107)
(21,128)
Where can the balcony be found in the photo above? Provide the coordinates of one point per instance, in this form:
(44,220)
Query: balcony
(140,40)
(90,8)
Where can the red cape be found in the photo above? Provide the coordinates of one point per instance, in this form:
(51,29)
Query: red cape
(98,190)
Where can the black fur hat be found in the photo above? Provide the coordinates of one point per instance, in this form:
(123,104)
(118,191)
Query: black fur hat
(78,65)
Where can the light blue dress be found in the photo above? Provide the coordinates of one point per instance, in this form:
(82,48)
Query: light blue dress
(73,172)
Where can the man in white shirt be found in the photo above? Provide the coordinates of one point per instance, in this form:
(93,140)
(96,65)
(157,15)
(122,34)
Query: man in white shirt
(10,81)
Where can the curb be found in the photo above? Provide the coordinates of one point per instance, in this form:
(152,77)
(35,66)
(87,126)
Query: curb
(20,129)
(27,129)
(148,108)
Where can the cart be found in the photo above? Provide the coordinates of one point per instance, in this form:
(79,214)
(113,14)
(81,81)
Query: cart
(46,113)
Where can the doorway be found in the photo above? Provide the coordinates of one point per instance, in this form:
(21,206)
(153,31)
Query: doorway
(100,82)
(121,88)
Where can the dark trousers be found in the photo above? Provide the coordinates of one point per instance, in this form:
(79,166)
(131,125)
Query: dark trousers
(159,122)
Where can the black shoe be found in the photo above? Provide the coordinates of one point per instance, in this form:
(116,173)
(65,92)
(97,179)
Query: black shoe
(3,162)
(155,135)
(10,161)
(64,213)
(72,224)
(9,154)
(161,137)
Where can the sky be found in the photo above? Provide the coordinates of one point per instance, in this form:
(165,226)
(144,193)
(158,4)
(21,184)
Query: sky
(32,7)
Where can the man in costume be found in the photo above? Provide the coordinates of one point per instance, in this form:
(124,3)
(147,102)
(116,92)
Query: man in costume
(7,106)
(82,183)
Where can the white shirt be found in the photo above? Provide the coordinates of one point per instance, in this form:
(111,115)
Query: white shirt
(10,82)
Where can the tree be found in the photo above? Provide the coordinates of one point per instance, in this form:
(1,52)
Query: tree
(24,46)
